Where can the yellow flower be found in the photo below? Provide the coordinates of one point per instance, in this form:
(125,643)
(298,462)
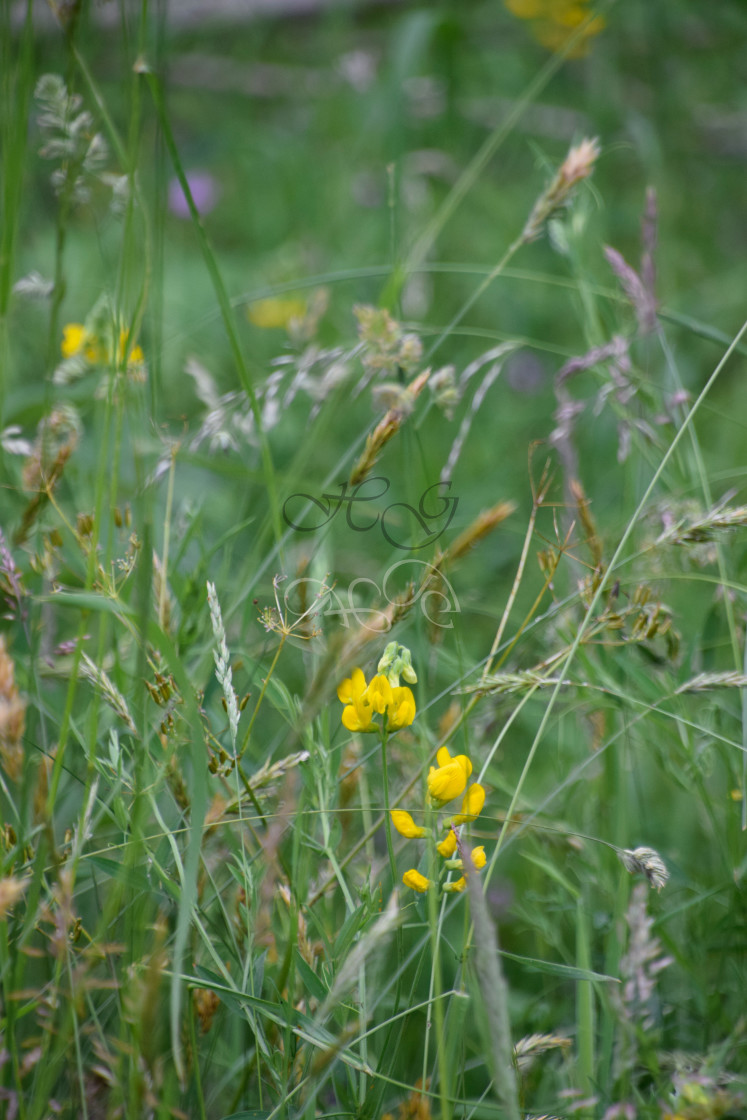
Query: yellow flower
(75,338)
(357,716)
(459,885)
(401,711)
(525,9)
(135,355)
(479,859)
(398,703)
(447,847)
(377,698)
(406,826)
(552,21)
(449,779)
(416,881)
(472,804)
(380,694)
(269,313)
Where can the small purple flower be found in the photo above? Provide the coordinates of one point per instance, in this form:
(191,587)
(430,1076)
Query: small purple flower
(204,190)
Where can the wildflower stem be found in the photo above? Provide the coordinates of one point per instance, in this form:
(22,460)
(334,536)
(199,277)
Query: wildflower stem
(163,590)
(436,987)
(257,706)
(387,813)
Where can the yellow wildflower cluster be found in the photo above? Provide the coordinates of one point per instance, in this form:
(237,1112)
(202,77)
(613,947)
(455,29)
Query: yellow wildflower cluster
(446,781)
(364,701)
(80,341)
(553,22)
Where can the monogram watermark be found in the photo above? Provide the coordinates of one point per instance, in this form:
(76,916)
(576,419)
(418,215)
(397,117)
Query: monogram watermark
(427,521)
(432,593)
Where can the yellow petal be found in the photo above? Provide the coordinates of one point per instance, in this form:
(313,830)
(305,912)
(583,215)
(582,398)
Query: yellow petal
(447,847)
(447,782)
(443,758)
(352,687)
(355,720)
(401,711)
(74,337)
(416,881)
(405,825)
(459,885)
(479,858)
(379,694)
(472,804)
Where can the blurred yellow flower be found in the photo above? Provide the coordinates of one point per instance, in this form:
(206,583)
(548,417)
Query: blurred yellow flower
(74,338)
(552,22)
(272,313)
(133,355)
(77,339)
(526,9)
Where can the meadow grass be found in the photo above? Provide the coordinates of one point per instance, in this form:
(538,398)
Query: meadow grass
(372,666)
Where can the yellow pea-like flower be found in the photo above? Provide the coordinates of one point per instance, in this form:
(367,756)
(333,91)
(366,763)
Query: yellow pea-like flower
(406,826)
(447,847)
(364,701)
(472,804)
(479,859)
(416,881)
(401,711)
(449,779)
(358,714)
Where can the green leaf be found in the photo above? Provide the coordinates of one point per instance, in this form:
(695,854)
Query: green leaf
(313,983)
(566,971)
(133,877)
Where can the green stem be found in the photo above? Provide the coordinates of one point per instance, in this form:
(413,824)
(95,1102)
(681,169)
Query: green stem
(225,306)
(387,813)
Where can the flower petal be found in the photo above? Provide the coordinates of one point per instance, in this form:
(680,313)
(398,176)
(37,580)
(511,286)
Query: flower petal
(405,825)
(447,782)
(379,694)
(443,758)
(479,859)
(472,804)
(356,720)
(401,710)
(416,881)
(74,337)
(352,687)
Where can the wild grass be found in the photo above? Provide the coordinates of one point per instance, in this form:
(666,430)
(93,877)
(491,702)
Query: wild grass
(500,871)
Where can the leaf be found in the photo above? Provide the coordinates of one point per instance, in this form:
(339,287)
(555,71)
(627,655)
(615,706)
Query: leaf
(313,983)
(553,968)
(133,877)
